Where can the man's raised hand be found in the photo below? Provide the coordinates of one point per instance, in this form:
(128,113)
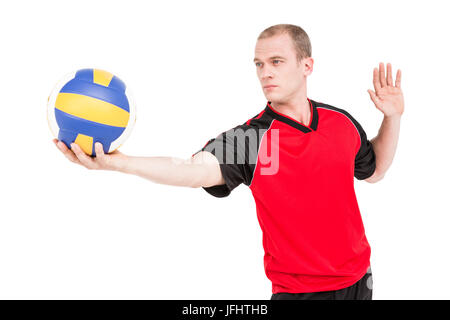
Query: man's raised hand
(387,97)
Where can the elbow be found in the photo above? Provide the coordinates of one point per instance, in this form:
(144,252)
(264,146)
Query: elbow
(375,177)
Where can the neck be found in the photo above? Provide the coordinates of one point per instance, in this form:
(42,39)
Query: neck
(297,109)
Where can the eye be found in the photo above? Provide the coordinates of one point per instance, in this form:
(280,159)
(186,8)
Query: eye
(259,63)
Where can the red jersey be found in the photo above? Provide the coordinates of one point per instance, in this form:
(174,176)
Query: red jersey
(302,180)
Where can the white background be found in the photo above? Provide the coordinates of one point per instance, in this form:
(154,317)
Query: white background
(70,233)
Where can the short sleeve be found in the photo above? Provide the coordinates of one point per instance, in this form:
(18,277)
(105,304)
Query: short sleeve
(365,163)
(232,153)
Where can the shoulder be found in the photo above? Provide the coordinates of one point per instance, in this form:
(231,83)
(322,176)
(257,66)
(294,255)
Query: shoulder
(321,105)
(341,113)
(251,130)
(260,121)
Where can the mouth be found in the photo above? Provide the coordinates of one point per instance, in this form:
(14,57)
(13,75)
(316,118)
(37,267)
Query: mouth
(270,87)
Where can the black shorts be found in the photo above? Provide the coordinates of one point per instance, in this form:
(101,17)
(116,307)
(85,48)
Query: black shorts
(361,290)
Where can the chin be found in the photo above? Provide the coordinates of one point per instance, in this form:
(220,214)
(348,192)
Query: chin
(271,97)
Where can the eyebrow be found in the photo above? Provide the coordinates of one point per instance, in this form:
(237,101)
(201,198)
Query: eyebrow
(271,58)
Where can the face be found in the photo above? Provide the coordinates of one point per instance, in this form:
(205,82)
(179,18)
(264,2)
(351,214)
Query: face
(276,64)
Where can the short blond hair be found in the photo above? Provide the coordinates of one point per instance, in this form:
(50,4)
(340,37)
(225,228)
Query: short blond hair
(299,37)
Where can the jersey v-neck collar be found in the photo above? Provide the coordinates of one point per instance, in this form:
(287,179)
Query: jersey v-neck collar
(313,122)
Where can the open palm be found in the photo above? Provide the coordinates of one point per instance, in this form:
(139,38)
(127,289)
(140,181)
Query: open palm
(387,97)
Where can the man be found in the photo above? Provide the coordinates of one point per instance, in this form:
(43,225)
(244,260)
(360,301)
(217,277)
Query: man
(313,235)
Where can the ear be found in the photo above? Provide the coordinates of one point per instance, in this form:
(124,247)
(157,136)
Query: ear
(309,64)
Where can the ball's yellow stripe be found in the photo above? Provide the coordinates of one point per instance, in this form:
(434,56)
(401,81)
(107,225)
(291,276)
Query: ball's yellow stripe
(102,77)
(85,143)
(92,109)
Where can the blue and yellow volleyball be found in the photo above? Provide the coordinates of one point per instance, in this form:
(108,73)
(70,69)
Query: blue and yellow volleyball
(89,106)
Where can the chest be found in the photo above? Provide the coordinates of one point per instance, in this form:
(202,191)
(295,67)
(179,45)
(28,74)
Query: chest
(288,156)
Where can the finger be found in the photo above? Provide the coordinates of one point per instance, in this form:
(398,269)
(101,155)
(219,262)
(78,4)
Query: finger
(85,160)
(374,97)
(67,153)
(398,79)
(390,82)
(61,145)
(382,75)
(376,79)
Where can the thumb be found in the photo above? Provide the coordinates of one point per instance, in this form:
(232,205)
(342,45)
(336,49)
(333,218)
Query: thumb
(99,153)
(374,97)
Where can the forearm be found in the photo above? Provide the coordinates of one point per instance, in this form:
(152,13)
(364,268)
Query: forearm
(165,170)
(385,143)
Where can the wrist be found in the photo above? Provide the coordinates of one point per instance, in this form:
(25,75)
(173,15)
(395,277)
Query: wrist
(119,164)
(393,117)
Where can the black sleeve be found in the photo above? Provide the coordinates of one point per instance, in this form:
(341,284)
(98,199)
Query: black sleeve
(232,153)
(365,158)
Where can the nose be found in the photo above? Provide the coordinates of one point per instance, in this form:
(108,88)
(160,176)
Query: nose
(265,73)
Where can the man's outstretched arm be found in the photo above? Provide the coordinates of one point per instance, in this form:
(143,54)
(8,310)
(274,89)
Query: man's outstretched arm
(388,98)
(201,170)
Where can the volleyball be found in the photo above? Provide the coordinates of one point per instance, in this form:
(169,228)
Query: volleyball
(89,106)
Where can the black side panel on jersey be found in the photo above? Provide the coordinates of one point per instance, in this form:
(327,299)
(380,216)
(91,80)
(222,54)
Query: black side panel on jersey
(365,160)
(237,153)
(365,163)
